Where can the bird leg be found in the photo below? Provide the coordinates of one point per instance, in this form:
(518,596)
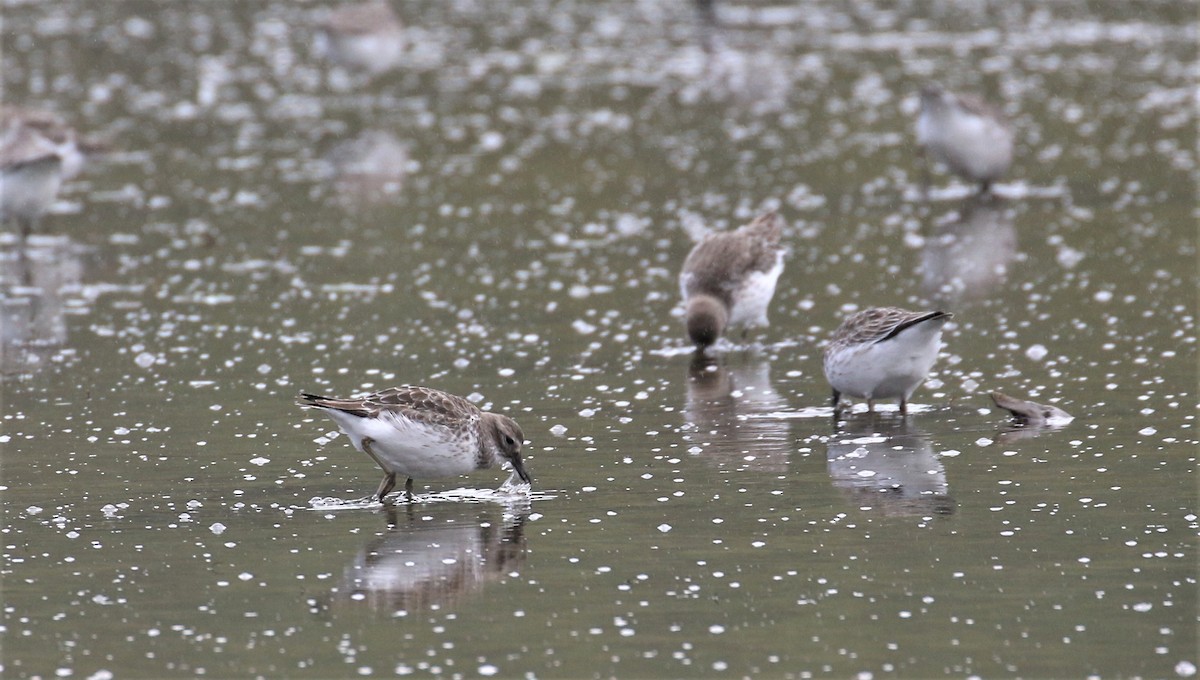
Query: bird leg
(386,485)
(408,488)
(871,406)
(366,447)
(903,406)
(926,172)
(26,225)
(389,477)
(837,408)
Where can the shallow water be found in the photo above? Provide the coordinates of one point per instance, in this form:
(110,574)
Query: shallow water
(540,173)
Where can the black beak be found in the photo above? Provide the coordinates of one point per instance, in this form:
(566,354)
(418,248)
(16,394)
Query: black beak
(519,467)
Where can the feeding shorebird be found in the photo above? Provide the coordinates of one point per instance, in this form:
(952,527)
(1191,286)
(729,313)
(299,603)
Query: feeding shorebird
(883,353)
(1031,413)
(728,278)
(422,432)
(970,137)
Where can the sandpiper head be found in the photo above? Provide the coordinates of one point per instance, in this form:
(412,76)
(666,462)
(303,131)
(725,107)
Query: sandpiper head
(706,319)
(508,439)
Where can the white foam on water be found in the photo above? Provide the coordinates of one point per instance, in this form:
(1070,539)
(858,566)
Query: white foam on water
(512,491)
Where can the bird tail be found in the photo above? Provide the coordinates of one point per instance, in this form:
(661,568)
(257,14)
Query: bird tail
(770,225)
(307,399)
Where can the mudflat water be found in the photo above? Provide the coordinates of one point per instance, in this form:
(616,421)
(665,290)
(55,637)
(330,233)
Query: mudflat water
(503,217)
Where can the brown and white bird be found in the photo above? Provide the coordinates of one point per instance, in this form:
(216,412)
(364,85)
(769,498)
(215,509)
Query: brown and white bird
(883,353)
(970,137)
(366,37)
(38,152)
(422,432)
(729,278)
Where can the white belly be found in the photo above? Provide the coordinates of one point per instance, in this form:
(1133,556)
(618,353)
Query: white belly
(28,191)
(411,448)
(887,370)
(752,299)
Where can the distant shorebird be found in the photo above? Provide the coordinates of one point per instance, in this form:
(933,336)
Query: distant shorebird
(38,151)
(423,432)
(729,278)
(883,353)
(32,164)
(366,36)
(964,133)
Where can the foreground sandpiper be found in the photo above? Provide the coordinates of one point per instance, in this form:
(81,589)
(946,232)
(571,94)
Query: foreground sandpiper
(883,353)
(967,135)
(729,278)
(422,432)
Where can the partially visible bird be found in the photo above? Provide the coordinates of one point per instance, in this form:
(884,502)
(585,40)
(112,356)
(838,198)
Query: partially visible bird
(883,353)
(422,432)
(38,152)
(367,36)
(1031,413)
(729,278)
(970,137)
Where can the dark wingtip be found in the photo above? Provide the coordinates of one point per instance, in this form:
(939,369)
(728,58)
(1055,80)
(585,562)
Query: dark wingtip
(309,399)
(930,316)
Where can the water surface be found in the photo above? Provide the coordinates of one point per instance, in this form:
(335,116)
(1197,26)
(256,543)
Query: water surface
(539,173)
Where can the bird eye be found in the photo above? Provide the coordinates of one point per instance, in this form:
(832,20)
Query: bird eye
(509,441)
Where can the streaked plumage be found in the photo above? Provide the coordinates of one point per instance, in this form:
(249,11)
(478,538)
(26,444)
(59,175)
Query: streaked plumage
(970,137)
(883,353)
(729,278)
(422,432)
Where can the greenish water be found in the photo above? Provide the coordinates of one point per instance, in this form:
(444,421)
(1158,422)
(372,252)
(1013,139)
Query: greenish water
(167,509)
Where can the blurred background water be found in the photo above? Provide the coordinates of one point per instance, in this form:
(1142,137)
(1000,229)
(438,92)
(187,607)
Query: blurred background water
(502,213)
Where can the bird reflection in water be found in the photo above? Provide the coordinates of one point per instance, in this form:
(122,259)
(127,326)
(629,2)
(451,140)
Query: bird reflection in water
(38,284)
(367,169)
(721,404)
(967,257)
(889,465)
(418,563)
